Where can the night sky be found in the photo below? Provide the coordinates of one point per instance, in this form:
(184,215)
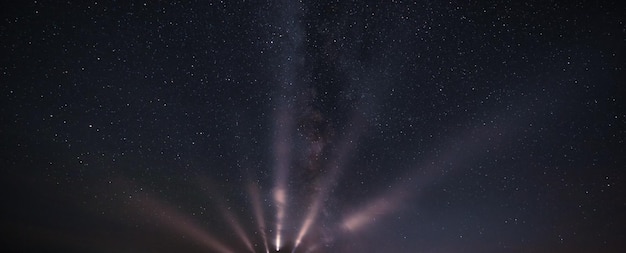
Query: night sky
(314,126)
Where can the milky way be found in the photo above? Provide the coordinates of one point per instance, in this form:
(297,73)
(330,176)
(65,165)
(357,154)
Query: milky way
(298,126)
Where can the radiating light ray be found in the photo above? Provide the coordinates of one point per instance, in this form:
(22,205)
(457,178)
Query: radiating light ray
(237,228)
(258,213)
(282,155)
(226,213)
(284,120)
(326,183)
(280,198)
(182,224)
(308,221)
(380,206)
(471,144)
(280,193)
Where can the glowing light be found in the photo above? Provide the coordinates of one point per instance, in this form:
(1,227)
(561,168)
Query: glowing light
(236,226)
(227,214)
(422,176)
(325,184)
(258,213)
(308,221)
(380,206)
(280,197)
(282,155)
(182,224)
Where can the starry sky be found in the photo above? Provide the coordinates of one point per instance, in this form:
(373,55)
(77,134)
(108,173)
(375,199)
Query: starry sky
(312,126)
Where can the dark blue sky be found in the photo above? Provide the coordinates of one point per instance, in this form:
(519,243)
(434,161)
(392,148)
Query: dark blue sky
(460,126)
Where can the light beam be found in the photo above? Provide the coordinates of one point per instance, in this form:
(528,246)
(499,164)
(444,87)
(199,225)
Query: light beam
(212,193)
(460,150)
(182,224)
(258,213)
(282,156)
(237,228)
(284,115)
(326,183)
